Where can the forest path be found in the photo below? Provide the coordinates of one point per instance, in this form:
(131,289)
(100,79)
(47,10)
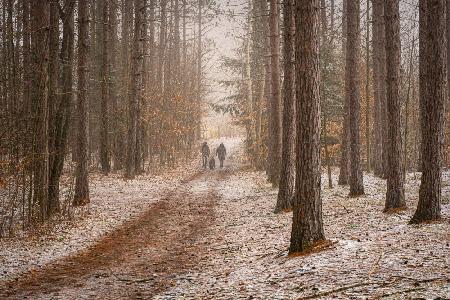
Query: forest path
(139,259)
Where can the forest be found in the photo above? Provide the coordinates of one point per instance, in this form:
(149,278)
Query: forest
(224,149)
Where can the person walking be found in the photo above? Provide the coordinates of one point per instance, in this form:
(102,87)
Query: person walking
(221,153)
(205,154)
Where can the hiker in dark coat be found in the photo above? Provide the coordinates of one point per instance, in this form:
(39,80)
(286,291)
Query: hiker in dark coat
(205,154)
(221,153)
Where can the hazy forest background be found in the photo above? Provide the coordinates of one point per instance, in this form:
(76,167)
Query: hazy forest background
(334,116)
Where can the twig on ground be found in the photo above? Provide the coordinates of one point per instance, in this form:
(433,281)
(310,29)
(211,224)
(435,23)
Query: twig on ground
(340,289)
(141,280)
(422,280)
(347,210)
(376,265)
(402,292)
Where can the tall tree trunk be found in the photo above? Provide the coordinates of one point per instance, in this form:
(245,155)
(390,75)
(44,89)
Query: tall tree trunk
(40,19)
(383,90)
(199,67)
(352,94)
(327,44)
(160,77)
(367,96)
(327,152)
(136,86)
(127,11)
(53,103)
(250,122)
(422,74)
(446,104)
(307,225)
(378,82)
(432,109)
(249,94)
(113,85)
(287,174)
(63,110)
(141,141)
(104,74)
(407,105)
(26,47)
(81,182)
(395,195)
(344,162)
(275,135)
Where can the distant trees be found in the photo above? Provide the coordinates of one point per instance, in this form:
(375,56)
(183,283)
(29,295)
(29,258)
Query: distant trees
(137,96)
(114,112)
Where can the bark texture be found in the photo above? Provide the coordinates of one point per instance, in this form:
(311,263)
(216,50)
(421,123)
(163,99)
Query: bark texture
(40,19)
(53,103)
(81,181)
(307,226)
(136,86)
(287,174)
(378,84)
(395,195)
(344,162)
(275,136)
(63,108)
(432,109)
(352,86)
(104,75)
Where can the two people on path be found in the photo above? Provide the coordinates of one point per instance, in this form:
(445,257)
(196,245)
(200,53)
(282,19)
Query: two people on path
(221,153)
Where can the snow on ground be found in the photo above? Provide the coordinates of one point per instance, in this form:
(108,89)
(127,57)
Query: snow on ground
(373,255)
(377,253)
(113,201)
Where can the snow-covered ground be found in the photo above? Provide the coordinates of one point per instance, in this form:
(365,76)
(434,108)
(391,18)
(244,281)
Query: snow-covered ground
(375,254)
(245,247)
(113,201)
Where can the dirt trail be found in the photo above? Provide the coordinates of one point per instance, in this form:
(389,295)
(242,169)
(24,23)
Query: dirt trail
(139,259)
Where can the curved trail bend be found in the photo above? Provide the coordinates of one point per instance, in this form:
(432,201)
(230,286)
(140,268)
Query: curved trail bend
(138,260)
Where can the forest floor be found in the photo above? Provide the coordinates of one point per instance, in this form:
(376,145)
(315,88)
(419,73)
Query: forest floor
(197,234)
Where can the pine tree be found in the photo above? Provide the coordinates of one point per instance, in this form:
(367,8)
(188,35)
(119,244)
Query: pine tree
(81,180)
(344,161)
(432,97)
(378,83)
(275,125)
(104,76)
(40,20)
(352,94)
(395,195)
(307,225)
(287,173)
(136,87)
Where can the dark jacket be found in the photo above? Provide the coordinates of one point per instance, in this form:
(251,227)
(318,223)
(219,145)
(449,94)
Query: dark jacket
(205,150)
(221,152)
